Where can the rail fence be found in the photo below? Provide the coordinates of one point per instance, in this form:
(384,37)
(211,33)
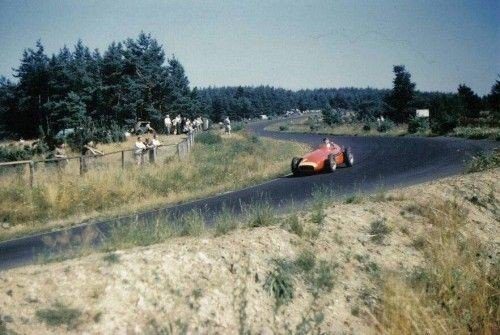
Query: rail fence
(79,165)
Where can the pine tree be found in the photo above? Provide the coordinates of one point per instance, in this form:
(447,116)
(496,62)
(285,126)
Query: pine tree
(33,91)
(494,97)
(469,100)
(398,102)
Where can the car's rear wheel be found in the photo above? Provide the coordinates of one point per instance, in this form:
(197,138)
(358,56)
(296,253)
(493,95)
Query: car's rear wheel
(331,164)
(295,165)
(348,157)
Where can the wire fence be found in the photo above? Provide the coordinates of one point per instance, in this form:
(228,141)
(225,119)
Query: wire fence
(79,165)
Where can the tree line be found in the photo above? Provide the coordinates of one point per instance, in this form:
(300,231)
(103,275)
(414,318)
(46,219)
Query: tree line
(132,80)
(447,110)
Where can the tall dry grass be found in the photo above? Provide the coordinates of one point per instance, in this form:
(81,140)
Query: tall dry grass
(212,167)
(455,292)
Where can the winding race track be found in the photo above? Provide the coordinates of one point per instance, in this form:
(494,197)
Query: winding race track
(386,162)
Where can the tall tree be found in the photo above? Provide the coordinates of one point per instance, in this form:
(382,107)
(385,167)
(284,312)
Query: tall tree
(33,90)
(494,97)
(398,102)
(469,100)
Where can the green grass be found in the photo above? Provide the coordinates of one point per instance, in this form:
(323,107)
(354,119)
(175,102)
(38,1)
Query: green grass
(484,162)
(225,222)
(111,258)
(59,314)
(477,133)
(378,230)
(216,164)
(279,283)
(261,214)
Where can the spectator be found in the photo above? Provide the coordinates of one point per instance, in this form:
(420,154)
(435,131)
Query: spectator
(168,124)
(153,148)
(60,153)
(139,150)
(178,125)
(227,125)
(89,152)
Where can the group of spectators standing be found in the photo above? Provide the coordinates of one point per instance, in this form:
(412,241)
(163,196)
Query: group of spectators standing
(182,125)
(142,147)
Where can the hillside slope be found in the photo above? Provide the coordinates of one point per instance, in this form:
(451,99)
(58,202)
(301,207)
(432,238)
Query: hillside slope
(326,269)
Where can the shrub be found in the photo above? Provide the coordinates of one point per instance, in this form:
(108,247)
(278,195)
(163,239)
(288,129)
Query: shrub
(306,261)
(58,315)
(483,162)
(385,126)
(279,283)
(208,138)
(237,126)
(293,225)
(284,128)
(378,230)
(367,127)
(225,222)
(261,215)
(477,133)
(322,278)
(192,224)
(418,125)
(111,258)
(10,154)
(314,123)
(331,117)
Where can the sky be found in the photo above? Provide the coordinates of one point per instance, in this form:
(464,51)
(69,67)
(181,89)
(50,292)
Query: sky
(291,44)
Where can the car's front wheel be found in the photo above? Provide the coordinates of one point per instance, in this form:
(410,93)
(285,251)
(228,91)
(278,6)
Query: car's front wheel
(348,157)
(295,165)
(331,164)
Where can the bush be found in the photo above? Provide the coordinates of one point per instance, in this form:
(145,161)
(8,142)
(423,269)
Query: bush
(330,116)
(10,154)
(58,315)
(418,125)
(208,138)
(477,133)
(378,230)
(279,283)
(284,128)
(385,126)
(225,222)
(99,133)
(367,127)
(484,162)
(237,126)
(314,123)
(262,215)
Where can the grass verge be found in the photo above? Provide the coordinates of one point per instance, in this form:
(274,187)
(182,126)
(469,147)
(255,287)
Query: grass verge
(216,164)
(456,289)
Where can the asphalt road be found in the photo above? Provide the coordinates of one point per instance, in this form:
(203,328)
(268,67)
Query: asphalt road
(380,162)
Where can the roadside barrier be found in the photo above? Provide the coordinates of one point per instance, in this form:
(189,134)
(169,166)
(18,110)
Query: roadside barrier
(79,165)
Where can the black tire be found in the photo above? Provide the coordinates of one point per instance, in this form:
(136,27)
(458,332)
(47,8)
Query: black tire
(331,164)
(348,157)
(295,165)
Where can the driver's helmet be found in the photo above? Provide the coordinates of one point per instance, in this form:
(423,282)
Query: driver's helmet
(326,142)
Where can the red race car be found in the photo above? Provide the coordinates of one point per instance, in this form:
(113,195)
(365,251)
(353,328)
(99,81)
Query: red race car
(326,158)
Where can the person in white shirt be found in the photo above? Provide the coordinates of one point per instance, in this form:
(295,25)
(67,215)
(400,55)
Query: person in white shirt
(168,124)
(139,150)
(227,125)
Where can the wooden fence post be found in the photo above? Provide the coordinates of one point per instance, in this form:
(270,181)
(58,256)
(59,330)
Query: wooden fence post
(123,159)
(32,173)
(81,165)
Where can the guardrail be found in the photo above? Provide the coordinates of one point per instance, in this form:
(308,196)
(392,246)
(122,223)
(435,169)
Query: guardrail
(79,165)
